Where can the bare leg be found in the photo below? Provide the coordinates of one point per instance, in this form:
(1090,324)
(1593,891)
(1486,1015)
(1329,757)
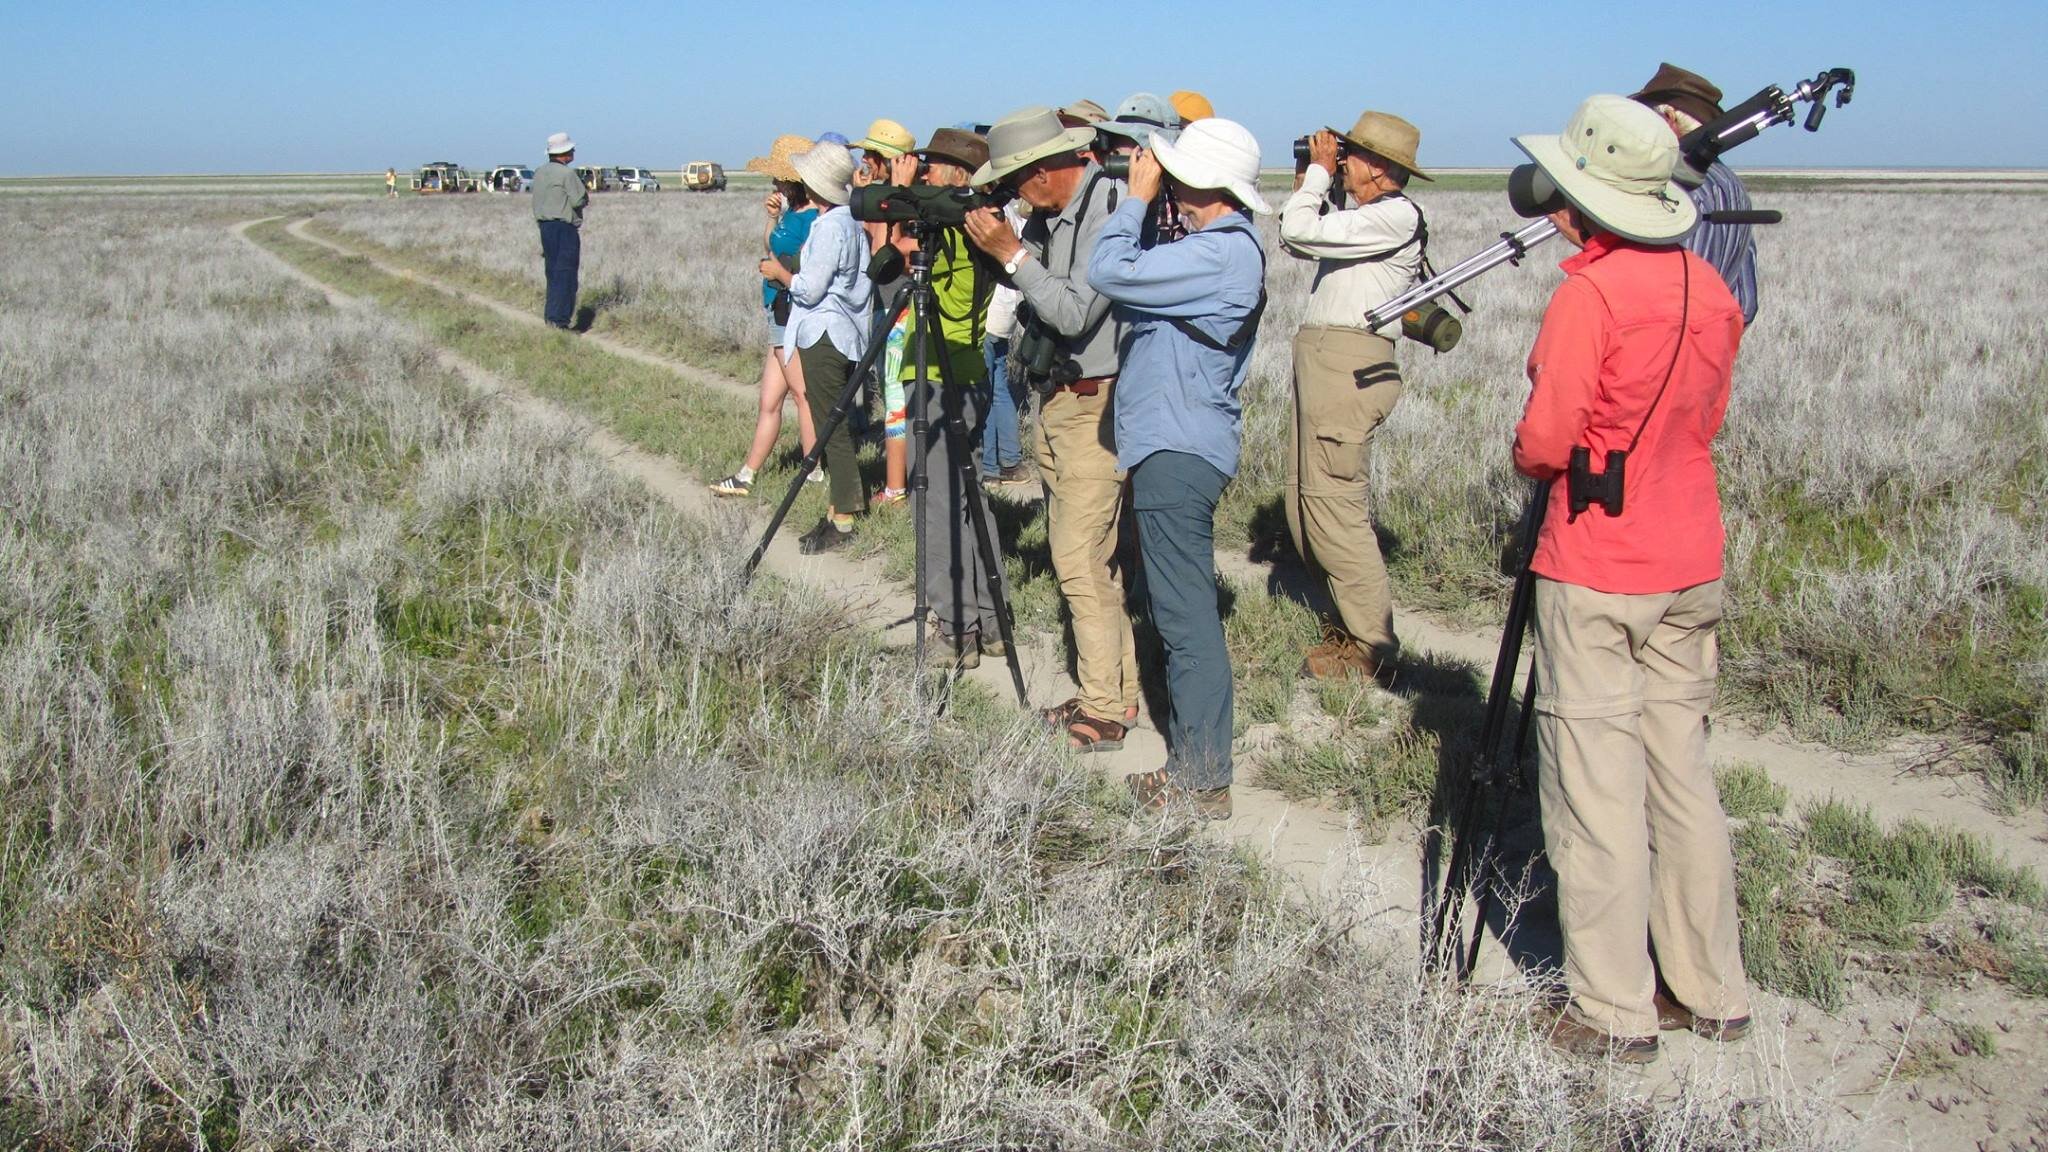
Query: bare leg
(768,425)
(806,429)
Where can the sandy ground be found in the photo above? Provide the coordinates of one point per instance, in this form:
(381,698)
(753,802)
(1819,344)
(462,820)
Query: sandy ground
(1852,1057)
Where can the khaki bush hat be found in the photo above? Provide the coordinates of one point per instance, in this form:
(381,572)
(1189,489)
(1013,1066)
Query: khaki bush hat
(1192,106)
(887,138)
(1387,135)
(1689,92)
(1216,153)
(1025,137)
(961,147)
(560,143)
(826,169)
(1614,164)
(1083,112)
(775,165)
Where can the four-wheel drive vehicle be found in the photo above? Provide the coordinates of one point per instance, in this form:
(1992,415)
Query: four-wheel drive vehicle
(443,176)
(599,179)
(509,178)
(703,176)
(638,180)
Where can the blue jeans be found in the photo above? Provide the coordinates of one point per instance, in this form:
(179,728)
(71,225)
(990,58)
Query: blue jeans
(1174,495)
(999,446)
(561,251)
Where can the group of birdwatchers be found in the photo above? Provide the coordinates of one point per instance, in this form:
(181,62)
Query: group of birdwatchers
(1123,286)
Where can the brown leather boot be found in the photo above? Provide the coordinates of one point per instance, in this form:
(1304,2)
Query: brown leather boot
(1339,657)
(1675,1017)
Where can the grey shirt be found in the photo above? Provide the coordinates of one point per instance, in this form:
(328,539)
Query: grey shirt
(558,194)
(1055,283)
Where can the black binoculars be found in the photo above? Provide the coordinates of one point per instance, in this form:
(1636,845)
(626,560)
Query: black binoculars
(1585,487)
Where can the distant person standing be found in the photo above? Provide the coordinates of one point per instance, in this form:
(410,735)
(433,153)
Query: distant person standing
(391,182)
(1686,101)
(558,201)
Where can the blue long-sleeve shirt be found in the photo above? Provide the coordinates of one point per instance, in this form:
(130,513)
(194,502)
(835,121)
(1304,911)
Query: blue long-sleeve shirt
(830,294)
(1174,394)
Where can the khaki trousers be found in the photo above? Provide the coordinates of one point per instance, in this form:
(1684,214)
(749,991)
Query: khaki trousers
(1329,473)
(1083,507)
(1631,819)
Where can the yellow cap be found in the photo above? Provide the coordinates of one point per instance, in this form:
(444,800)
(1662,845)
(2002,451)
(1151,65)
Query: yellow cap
(1192,106)
(887,138)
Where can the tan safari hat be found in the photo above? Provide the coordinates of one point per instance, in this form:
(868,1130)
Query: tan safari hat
(775,165)
(1387,135)
(887,138)
(1614,163)
(1025,137)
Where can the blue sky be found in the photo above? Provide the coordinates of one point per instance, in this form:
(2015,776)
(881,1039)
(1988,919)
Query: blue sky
(95,87)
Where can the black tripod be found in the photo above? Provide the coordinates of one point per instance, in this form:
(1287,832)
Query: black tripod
(1494,764)
(923,336)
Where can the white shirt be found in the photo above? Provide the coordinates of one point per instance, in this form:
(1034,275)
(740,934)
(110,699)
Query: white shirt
(1002,304)
(1348,284)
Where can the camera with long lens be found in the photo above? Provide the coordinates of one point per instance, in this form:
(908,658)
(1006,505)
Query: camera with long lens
(1584,487)
(926,205)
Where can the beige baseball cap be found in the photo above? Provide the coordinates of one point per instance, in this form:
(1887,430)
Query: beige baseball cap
(1614,163)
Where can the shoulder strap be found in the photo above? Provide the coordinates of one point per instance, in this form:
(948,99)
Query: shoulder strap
(1250,326)
(1684,321)
(1421,235)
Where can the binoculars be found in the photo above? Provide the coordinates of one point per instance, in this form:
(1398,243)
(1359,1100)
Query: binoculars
(1585,487)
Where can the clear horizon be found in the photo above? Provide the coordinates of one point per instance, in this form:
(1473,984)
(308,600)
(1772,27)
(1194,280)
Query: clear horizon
(221,88)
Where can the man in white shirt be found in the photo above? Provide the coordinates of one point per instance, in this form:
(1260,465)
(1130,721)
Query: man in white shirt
(1345,378)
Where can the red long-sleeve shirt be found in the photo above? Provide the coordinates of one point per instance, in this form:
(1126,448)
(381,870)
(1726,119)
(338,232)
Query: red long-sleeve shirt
(1607,338)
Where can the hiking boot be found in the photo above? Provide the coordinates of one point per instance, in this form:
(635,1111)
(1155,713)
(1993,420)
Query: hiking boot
(1013,474)
(1340,657)
(824,538)
(1675,1017)
(962,651)
(732,486)
(992,645)
(1155,791)
(1567,1034)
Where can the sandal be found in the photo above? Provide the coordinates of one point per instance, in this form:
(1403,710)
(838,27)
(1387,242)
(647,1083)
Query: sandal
(1059,716)
(1087,733)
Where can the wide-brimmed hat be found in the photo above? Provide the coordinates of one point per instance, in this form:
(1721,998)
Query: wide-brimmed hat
(1191,106)
(1141,117)
(1614,164)
(1215,153)
(887,138)
(826,169)
(962,148)
(1689,92)
(560,143)
(1083,112)
(1386,135)
(1025,137)
(775,165)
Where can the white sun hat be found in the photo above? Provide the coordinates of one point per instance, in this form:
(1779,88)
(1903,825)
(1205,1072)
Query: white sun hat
(826,170)
(1614,163)
(560,143)
(1215,153)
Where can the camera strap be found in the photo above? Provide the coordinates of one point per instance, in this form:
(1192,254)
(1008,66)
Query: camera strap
(1250,326)
(1684,320)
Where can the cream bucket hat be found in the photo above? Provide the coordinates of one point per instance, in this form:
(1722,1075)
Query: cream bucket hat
(560,143)
(826,170)
(1614,164)
(1215,153)
(1025,137)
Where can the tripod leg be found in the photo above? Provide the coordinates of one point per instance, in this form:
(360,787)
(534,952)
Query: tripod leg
(844,405)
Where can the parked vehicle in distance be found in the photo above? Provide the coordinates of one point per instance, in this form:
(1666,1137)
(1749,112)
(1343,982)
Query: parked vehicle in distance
(703,176)
(598,179)
(637,179)
(443,176)
(509,178)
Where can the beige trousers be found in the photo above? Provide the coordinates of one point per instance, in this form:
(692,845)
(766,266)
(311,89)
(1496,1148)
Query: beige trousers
(1329,472)
(1084,494)
(1631,819)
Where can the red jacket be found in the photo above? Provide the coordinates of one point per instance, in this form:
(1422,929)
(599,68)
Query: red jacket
(1607,339)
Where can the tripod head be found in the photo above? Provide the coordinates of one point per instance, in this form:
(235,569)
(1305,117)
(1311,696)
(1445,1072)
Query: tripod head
(1773,105)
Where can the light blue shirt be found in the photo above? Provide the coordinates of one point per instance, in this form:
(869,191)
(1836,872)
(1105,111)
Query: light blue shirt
(1175,395)
(830,294)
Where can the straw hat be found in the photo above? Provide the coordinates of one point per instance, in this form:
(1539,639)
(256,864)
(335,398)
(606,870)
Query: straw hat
(775,165)
(887,138)
(1215,153)
(961,147)
(1388,136)
(827,169)
(1025,137)
(1192,106)
(1614,164)
(560,143)
(1141,117)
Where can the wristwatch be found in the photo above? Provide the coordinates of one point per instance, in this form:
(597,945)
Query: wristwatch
(1016,258)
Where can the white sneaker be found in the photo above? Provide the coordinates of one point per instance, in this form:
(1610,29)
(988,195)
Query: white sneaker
(817,476)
